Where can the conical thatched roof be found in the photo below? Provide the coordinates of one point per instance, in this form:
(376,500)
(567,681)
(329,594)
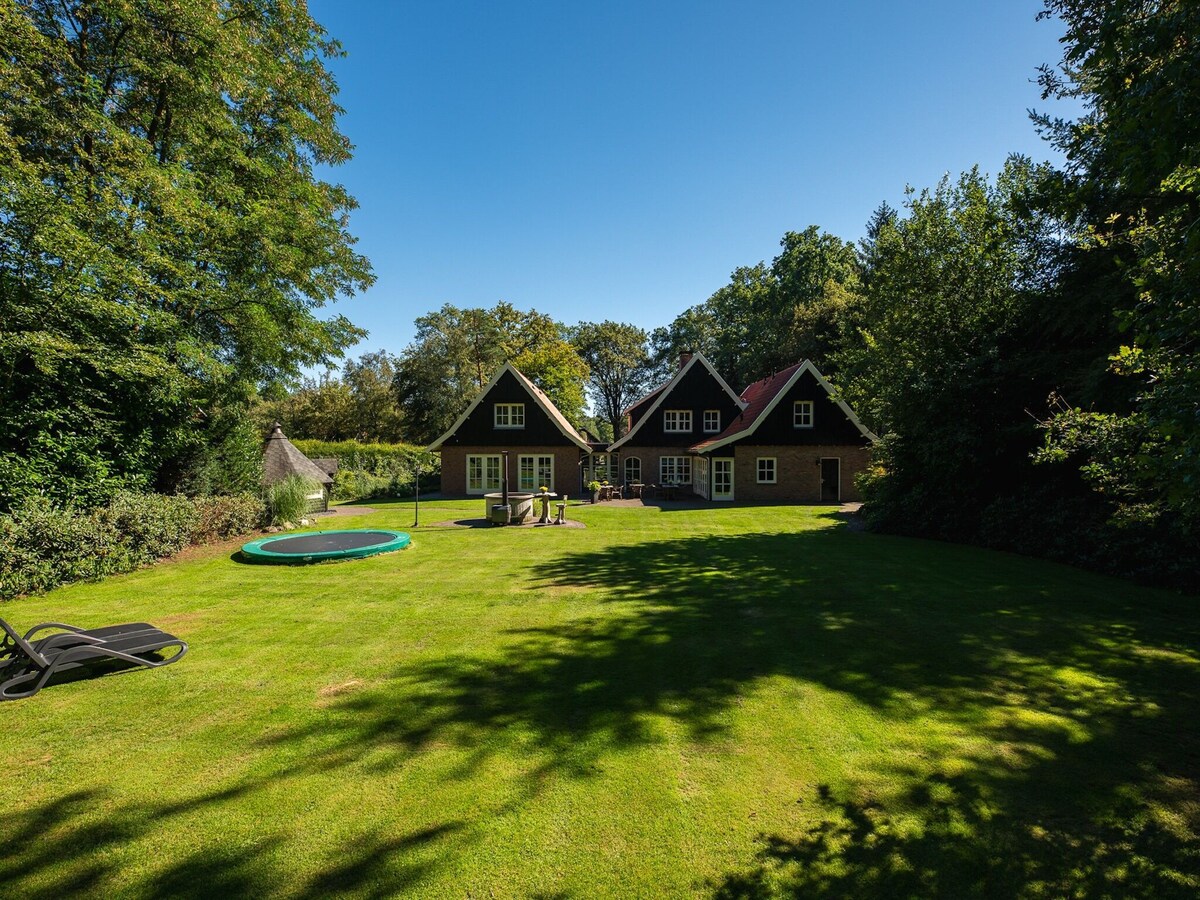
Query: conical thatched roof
(281,459)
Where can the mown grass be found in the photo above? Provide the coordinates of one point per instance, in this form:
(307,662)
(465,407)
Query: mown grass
(737,702)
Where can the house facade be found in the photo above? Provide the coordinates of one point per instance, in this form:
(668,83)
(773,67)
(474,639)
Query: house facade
(511,413)
(663,425)
(792,441)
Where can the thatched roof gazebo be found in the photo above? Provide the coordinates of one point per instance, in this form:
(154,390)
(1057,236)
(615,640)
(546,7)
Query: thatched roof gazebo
(281,459)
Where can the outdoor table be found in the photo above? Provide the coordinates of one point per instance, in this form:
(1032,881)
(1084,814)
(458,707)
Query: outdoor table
(545,497)
(636,488)
(668,490)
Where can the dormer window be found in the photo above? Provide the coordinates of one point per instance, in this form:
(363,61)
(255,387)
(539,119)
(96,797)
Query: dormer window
(510,415)
(802,414)
(712,421)
(677,420)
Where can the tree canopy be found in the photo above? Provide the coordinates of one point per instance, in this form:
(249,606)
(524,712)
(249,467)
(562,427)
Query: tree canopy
(456,351)
(165,241)
(766,318)
(619,364)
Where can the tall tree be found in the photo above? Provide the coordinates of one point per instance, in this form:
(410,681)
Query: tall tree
(165,241)
(1133,185)
(800,307)
(377,417)
(942,370)
(457,350)
(619,363)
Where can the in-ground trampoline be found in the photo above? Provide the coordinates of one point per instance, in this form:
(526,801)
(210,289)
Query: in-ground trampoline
(316,546)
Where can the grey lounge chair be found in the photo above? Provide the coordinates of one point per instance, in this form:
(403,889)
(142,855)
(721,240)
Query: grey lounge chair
(27,663)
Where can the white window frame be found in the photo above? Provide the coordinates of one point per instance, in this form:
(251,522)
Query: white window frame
(712,421)
(483,487)
(677,421)
(625,466)
(506,415)
(758,469)
(675,469)
(537,474)
(802,414)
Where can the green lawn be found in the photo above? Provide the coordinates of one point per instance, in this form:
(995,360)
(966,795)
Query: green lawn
(737,701)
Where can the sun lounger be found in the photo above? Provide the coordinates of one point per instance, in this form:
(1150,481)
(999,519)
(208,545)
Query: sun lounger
(27,661)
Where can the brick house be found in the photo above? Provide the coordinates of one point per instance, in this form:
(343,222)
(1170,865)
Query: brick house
(791,441)
(665,423)
(511,413)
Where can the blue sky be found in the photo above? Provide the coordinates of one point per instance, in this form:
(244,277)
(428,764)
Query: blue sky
(619,160)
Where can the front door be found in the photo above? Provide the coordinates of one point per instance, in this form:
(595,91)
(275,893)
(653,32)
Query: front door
(831,480)
(722,479)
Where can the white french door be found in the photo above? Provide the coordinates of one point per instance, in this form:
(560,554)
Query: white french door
(722,479)
(483,474)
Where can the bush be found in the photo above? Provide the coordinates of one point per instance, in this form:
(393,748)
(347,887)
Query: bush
(376,470)
(375,459)
(153,525)
(218,518)
(287,500)
(43,546)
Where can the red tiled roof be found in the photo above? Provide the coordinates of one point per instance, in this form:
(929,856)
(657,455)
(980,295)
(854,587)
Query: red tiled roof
(758,397)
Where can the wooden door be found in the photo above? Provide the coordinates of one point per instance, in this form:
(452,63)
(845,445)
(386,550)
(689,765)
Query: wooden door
(831,480)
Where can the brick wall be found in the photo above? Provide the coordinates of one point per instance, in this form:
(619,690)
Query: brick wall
(454,467)
(650,457)
(798,477)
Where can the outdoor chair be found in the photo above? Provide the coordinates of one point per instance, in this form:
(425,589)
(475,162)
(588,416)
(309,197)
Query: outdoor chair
(28,662)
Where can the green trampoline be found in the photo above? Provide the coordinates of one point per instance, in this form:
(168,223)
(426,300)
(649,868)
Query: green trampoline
(317,546)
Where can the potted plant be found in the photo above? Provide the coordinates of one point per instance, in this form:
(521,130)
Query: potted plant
(594,487)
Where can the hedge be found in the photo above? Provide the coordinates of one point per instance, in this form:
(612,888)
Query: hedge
(376,470)
(43,546)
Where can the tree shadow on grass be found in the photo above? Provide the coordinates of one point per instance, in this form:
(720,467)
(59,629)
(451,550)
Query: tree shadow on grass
(68,846)
(1086,701)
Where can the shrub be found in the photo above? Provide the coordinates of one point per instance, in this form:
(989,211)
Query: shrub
(224,517)
(375,459)
(43,546)
(287,500)
(153,525)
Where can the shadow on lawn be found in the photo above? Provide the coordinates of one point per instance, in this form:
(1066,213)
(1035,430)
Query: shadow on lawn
(1087,704)
(65,847)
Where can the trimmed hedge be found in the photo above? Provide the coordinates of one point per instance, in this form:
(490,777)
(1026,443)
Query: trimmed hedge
(376,470)
(43,546)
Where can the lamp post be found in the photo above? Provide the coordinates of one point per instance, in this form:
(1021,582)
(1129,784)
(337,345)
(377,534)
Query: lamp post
(417,494)
(504,480)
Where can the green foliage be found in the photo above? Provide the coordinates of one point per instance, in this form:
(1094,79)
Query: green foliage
(360,405)
(1133,187)
(287,500)
(376,470)
(376,459)
(43,546)
(225,458)
(765,319)
(942,366)
(165,243)
(619,365)
(457,350)
(226,516)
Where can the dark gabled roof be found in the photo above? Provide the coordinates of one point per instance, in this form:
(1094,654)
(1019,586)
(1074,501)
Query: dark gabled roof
(763,396)
(664,390)
(281,459)
(329,465)
(547,406)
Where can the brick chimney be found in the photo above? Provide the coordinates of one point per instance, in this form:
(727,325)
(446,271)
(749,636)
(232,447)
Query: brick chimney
(684,357)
